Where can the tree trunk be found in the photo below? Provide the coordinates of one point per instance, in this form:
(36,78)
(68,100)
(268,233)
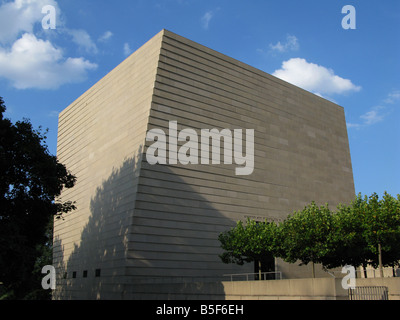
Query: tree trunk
(380,260)
(365,270)
(259,269)
(313,269)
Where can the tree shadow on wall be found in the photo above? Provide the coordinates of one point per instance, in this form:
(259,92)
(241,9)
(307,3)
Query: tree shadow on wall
(100,254)
(150,237)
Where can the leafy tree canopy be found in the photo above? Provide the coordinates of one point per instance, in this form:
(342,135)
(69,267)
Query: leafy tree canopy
(30,180)
(305,234)
(365,232)
(247,243)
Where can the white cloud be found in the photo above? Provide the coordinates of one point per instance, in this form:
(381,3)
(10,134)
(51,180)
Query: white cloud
(206,18)
(371,117)
(29,62)
(378,113)
(20,16)
(393,97)
(314,78)
(127,49)
(53,113)
(291,44)
(35,63)
(106,36)
(374,115)
(353,125)
(83,40)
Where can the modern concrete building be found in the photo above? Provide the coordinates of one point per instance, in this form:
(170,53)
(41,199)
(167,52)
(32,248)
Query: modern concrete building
(139,225)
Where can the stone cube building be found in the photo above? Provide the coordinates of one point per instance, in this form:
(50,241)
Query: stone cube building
(141,228)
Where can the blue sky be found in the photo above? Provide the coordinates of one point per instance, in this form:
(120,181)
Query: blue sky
(43,70)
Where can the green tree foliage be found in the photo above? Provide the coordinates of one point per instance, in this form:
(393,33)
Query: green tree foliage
(304,234)
(246,243)
(347,243)
(365,232)
(381,224)
(368,232)
(30,180)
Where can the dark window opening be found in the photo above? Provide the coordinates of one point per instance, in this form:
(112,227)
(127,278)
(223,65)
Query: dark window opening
(264,268)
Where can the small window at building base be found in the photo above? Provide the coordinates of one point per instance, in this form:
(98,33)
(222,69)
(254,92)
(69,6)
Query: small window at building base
(97,273)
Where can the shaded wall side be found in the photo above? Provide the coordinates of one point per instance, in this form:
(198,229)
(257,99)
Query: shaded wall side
(301,154)
(100,140)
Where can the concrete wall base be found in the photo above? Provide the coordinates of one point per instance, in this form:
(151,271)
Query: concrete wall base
(290,289)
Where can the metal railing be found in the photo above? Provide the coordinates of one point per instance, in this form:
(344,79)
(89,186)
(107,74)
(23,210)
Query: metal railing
(368,273)
(273,275)
(369,293)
